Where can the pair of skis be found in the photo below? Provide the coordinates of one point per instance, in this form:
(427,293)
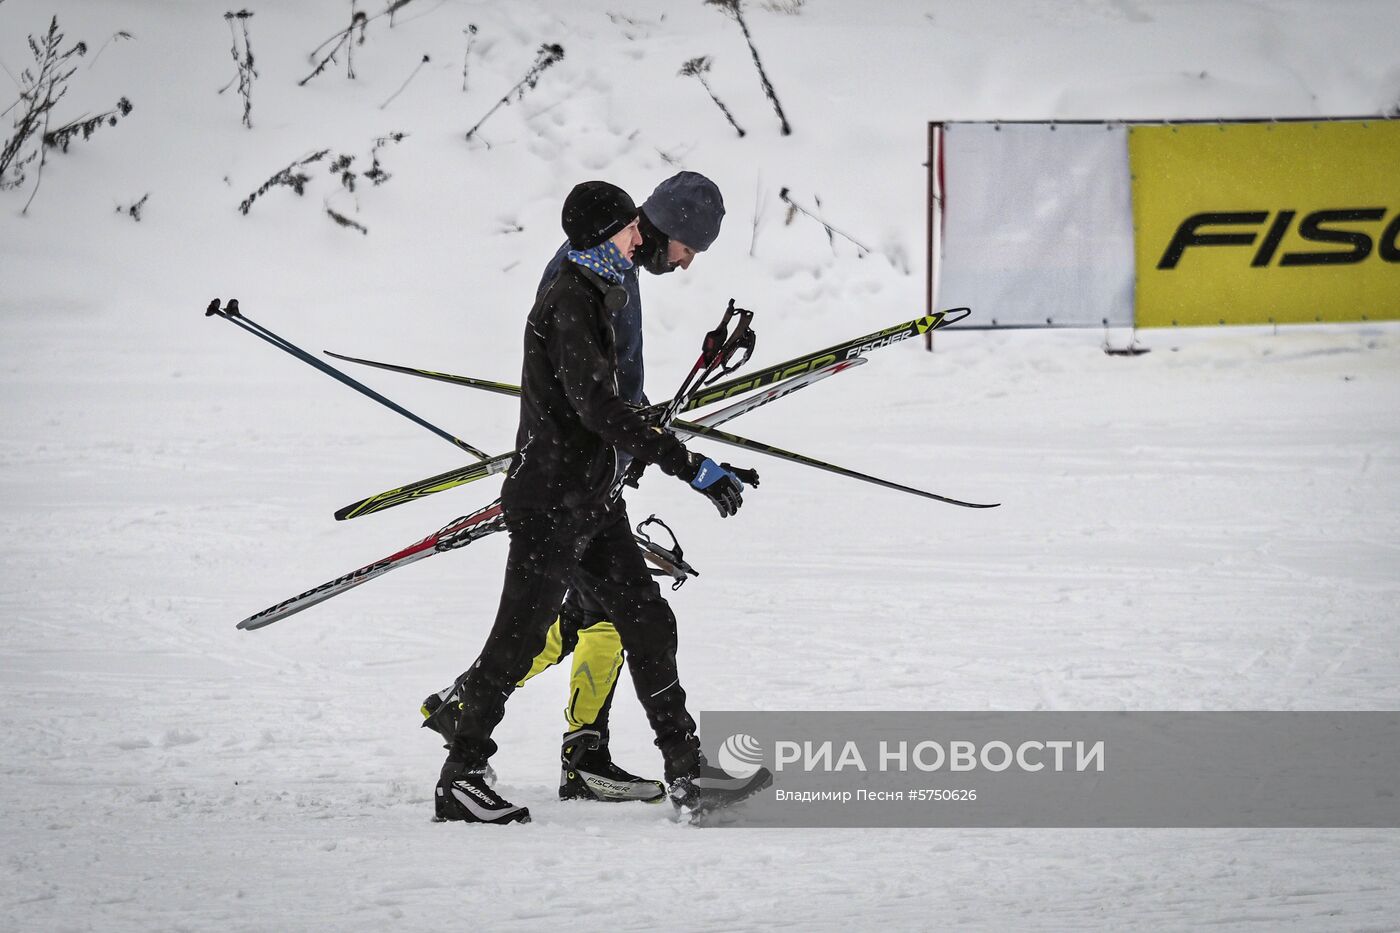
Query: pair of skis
(776,381)
(786,373)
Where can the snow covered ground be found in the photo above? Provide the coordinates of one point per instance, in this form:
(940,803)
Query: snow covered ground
(1210,526)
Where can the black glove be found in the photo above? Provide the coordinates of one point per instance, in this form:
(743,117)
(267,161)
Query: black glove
(720,486)
(746,477)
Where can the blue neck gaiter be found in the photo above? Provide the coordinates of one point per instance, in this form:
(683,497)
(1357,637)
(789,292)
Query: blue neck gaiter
(605,259)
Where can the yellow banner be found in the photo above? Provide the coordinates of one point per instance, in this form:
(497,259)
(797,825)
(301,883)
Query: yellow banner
(1252,223)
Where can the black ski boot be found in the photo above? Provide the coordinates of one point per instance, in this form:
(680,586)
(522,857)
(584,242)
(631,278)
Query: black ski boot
(463,795)
(589,773)
(706,788)
(441,711)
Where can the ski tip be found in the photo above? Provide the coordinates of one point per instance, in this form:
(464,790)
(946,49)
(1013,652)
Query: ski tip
(967,505)
(953,316)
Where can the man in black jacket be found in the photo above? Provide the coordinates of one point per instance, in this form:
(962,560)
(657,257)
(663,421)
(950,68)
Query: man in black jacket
(679,220)
(567,529)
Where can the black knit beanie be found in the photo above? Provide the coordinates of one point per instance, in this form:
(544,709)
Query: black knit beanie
(594,211)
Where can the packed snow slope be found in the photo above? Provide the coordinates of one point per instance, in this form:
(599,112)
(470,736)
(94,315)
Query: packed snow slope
(1210,526)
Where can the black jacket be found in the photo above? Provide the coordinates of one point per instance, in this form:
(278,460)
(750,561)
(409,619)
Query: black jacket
(572,420)
(627,326)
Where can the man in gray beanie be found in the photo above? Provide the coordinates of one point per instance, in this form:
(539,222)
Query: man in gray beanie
(680,219)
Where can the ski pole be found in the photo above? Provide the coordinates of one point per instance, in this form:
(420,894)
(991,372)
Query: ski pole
(716,354)
(230,312)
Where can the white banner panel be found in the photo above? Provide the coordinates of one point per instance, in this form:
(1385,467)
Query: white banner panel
(1036,226)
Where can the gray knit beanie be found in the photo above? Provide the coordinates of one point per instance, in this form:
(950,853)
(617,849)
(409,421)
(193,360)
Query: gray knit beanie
(687,207)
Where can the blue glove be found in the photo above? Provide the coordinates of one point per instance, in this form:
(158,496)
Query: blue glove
(720,486)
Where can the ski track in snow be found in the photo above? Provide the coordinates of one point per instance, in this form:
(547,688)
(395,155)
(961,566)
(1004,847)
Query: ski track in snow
(1210,526)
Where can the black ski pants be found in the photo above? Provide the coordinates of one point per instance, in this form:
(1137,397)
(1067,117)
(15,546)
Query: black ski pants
(592,549)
